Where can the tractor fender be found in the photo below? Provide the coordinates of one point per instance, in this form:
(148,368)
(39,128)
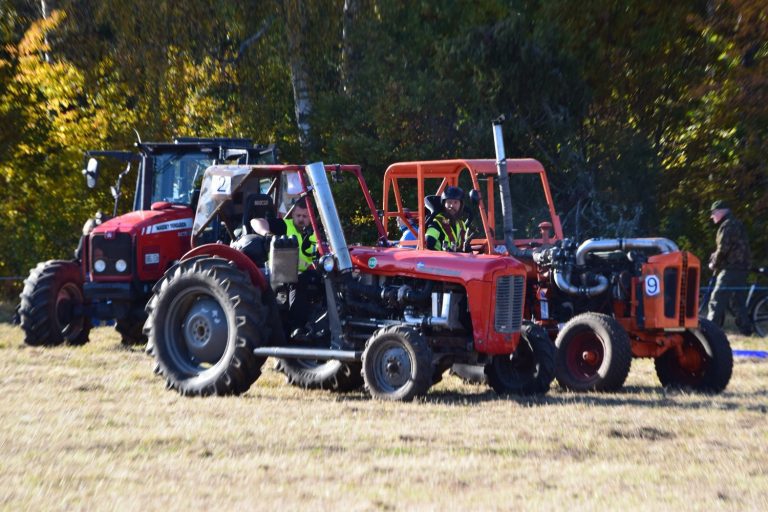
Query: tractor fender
(240,260)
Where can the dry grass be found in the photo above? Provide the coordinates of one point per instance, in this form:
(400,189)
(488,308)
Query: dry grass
(93,428)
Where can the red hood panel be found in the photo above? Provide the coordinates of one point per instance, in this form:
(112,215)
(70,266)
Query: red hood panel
(149,221)
(439,265)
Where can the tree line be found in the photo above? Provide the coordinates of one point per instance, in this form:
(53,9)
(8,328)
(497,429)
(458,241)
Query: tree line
(643,112)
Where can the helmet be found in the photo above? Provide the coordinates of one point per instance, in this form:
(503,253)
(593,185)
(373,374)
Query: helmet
(452,193)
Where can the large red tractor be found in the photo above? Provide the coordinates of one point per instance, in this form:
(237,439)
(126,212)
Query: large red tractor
(120,258)
(391,317)
(603,301)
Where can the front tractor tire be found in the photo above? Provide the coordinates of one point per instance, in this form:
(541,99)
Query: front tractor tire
(131,331)
(204,320)
(593,354)
(529,370)
(397,364)
(704,362)
(52,308)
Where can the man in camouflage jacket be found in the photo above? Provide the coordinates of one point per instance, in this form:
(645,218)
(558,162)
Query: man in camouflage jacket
(730,263)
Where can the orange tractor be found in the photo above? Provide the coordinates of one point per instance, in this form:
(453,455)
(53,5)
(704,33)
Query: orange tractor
(603,301)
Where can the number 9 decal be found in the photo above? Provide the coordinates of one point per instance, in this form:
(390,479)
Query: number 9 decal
(652,285)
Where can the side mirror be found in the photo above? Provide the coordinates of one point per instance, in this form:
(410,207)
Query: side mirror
(91,172)
(474,196)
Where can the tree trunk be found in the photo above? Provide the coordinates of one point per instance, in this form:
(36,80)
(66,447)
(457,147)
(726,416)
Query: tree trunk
(44,10)
(348,57)
(296,26)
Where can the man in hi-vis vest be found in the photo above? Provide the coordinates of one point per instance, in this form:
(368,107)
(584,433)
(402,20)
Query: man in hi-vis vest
(298,226)
(448,231)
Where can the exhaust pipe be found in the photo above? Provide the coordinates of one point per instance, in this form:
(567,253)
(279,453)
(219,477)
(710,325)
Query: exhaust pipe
(329,215)
(309,353)
(563,278)
(661,245)
(506,196)
(563,282)
(444,313)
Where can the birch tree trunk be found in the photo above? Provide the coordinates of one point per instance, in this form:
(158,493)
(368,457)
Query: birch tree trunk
(348,57)
(44,10)
(296,26)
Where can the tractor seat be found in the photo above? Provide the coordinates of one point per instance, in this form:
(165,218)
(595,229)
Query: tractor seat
(257,206)
(434,206)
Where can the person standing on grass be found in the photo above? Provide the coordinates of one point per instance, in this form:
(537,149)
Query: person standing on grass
(730,263)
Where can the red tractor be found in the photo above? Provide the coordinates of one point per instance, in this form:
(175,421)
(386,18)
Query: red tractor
(119,259)
(603,301)
(392,318)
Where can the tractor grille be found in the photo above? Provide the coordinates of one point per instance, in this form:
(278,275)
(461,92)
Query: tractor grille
(110,250)
(509,303)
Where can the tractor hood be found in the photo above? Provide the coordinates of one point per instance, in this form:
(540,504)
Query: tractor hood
(437,265)
(163,217)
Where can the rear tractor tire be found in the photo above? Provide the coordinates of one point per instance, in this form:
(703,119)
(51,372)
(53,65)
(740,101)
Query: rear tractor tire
(593,354)
(203,322)
(705,363)
(529,370)
(397,364)
(336,376)
(470,373)
(52,308)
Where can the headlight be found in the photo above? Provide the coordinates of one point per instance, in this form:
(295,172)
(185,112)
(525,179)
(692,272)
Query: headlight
(121,265)
(99,265)
(328,262)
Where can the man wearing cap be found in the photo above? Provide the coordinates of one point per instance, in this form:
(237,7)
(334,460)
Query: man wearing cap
(448,231)
(730,263)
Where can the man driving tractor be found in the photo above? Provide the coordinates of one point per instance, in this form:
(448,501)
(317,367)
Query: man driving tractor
(297,226)
(448,231)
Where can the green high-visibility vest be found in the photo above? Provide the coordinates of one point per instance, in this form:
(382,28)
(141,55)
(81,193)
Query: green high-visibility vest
(305,253)
(453,238)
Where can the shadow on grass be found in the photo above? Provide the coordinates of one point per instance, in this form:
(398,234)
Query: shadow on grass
(650,397)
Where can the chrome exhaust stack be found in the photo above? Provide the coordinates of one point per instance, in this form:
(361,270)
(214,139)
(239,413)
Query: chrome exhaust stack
(506,195)
(329,215)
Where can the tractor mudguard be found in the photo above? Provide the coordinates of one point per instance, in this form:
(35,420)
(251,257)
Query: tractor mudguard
(240,260)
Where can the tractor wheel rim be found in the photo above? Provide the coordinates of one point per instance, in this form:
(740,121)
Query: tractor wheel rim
(692,360)
(196,332)
(585,355)
(205,331)
(68,314)
(392,367)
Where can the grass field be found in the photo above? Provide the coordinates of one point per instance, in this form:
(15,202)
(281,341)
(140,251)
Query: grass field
(92,428)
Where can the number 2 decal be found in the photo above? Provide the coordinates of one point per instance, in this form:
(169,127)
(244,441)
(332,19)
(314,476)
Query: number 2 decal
(652,285)
(221,184)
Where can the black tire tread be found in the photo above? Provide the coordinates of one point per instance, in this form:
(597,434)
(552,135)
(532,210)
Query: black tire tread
(131,331)
(718,371)
(336,376)
(421,378)
(536,339)
(35,308)
(243,368)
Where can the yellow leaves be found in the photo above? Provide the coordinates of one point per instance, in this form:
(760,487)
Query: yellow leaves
(33,42)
